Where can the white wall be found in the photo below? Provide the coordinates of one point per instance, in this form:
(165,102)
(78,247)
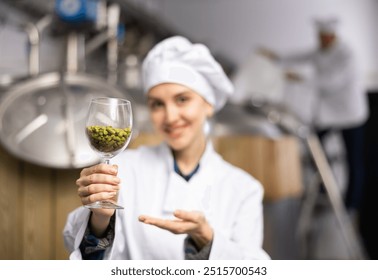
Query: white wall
(234,27)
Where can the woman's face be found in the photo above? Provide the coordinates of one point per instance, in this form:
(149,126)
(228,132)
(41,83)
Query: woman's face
(326,40)
(178,114)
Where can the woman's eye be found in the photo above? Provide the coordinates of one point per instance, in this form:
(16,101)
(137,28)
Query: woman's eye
(182,99)
(156,104)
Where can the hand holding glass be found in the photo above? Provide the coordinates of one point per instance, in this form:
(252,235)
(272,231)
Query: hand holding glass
(108,128)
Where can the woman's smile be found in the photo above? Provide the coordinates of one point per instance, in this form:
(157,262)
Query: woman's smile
(175,131)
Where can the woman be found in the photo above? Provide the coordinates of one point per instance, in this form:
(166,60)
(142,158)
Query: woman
(181,199)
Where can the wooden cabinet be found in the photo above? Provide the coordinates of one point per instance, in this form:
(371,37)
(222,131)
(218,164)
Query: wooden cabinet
(34,203)
(274,162)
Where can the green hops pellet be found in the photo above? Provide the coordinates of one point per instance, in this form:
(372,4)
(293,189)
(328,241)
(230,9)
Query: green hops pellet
(108,139)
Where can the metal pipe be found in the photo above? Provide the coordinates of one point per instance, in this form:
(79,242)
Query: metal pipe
(96,42)
(72,53)
(34,31)
(33,48)
(72,64)
(112,47)
(102,37)
(350,236)
(43,23)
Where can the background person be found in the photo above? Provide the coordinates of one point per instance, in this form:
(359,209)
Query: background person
(341,99)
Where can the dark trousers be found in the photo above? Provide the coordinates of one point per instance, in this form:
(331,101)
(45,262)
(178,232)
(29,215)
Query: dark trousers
(354,139)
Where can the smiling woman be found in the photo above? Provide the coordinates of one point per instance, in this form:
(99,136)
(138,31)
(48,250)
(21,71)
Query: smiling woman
(182,200)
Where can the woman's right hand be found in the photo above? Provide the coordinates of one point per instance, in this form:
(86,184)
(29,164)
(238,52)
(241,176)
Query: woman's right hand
(99,182)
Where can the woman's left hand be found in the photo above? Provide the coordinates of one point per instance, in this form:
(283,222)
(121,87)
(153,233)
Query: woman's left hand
(188,222)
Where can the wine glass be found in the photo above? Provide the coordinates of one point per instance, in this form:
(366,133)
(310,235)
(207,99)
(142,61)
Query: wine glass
(108,128)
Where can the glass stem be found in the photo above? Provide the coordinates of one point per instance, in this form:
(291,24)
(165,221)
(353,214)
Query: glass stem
(107,161)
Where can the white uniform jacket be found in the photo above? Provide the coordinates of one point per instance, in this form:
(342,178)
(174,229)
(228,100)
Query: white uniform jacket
(229,197)
(342,99)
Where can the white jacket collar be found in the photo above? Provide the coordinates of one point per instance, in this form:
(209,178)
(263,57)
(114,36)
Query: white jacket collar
(192,195)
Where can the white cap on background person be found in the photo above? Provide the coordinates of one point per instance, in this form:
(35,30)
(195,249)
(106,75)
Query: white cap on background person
(177,60)
(327,25)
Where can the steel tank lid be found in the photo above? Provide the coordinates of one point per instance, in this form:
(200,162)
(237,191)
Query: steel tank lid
(42,120)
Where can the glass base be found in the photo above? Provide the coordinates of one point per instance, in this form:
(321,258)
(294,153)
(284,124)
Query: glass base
(103,204)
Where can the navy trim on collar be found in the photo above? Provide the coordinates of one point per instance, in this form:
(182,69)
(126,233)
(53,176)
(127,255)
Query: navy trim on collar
(178,171)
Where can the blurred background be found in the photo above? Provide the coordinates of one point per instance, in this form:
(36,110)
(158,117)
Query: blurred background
(55,55)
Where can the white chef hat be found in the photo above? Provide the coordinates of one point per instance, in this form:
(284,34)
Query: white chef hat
(176,60)
(327,25)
